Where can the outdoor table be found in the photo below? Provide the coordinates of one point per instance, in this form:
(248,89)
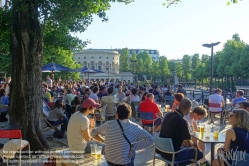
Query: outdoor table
(201,137)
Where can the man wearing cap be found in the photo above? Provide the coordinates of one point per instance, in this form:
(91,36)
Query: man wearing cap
(79,128)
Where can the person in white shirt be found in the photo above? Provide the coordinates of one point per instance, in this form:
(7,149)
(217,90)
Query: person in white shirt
(133,96)
(49,82)
(79,128)
(216,102)
(192,117)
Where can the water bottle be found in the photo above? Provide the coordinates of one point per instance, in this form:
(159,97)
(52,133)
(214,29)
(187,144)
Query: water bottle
(208,130)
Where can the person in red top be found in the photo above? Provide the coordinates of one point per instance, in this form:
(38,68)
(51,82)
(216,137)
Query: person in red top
(148,105)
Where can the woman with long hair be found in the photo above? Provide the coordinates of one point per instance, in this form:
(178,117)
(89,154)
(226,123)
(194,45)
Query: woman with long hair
(237,138)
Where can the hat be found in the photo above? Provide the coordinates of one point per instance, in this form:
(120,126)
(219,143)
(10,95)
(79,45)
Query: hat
(90,103)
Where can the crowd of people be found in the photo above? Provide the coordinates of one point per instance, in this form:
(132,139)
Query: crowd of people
(123,137)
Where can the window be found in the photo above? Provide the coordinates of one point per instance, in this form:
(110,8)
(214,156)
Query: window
(79,57)
(99,68)
(84,57)
(107,57)
(117,58)
(100,57)
(152,52)
(92,57)
(92,67)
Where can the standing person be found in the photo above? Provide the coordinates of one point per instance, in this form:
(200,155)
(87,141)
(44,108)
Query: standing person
(79,128)
(49,82)
(239,98)
(122,133)
(179,133)
(237,138)
(181,90)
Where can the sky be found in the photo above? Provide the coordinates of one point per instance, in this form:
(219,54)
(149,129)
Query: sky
(174,31)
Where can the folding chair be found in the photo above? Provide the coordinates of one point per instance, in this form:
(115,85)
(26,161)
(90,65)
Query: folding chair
(165,145)
(48,125)
(148,116)
(8,152)
(156,97)
(134,107)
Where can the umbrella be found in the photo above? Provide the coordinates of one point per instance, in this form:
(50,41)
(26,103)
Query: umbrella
(54,67)
(85,69)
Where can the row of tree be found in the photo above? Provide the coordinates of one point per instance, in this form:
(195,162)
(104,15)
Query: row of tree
(229,65)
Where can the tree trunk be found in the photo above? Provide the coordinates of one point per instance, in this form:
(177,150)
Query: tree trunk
(26,53)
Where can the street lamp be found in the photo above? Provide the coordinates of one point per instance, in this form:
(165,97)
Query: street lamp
(211,62)
(134,62)
(108,68)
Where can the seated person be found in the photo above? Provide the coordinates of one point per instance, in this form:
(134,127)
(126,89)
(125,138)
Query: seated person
(179,133)
(4,105)
(169,92)
(57,116)
(237,138)
(77,103)
(108,100)
(144,97)
(120,94)
(69,96)
(149,105)
(192,117)
(244,105)
(177,100)
(79,128)
(133,96)
(117,149)
(239,98)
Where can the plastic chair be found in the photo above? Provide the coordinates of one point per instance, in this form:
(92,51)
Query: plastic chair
(165,145)
(148,116)
(19,143)
(156,97)
(169,100)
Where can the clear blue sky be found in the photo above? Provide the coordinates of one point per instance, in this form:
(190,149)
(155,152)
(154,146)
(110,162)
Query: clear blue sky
(173,31)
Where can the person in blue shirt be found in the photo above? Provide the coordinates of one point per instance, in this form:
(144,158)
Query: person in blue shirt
(239,98)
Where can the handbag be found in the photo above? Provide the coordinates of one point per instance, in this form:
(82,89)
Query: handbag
(131,145)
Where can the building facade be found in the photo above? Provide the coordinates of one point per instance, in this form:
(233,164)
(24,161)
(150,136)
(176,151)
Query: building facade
(104,60)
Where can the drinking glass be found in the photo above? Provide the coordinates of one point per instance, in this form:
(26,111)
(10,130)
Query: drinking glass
(207,130)
(98,152)
(167,108)
(202,128)
(93,149)
(216,132)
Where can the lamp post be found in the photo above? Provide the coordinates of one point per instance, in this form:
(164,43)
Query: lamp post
(134,62)
(108,68)
(211,62)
